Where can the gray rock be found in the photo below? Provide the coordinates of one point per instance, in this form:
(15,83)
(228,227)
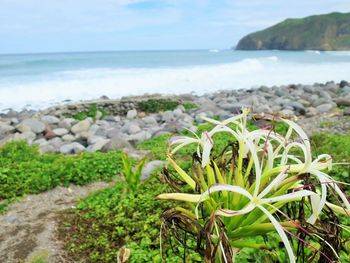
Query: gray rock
(324,107)
(150,167)
(68,138)
(48,119)
(320,101)
(14,121)
(345,90)
(101,131)
(98,145)
(81,126)
(11,219)
(177,112)
(287,113)
(346,112)
(297,106)
(40,141)
(167,116)
(47,148)
(66,123)
(28,136)
(116,143)
(72,148)
(56,142)
(60,131)
(131,114)
(133,129)
(34,125)
(325,94)
(5,128)
(343,102)
(263,109)
(150,121)
(141,136)
(311,111)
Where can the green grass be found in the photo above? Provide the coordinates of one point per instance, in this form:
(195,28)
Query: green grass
(157,105)
(23,170)
(91,112)
(112,218)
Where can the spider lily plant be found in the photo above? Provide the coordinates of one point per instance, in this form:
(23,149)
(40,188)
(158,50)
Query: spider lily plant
(245,191)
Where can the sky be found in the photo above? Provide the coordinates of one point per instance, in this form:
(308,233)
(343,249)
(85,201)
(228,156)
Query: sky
(30,26)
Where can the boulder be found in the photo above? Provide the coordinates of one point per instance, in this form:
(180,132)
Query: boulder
(324,107)
(72,148)
(133,128)
(150,167)
(48,119)
(141,136)
(81,126)
(33,125)
(131,114)
(347,112)
(60,131)
(28,136)
(116,143)
(97,145)
(5,129)
(66,123)
(68,138)
(343,102)
(150,121)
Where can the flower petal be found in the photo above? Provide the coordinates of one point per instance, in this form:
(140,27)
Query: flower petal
(281,233)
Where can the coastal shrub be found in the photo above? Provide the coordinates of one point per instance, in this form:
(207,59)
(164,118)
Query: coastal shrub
(255,187)
(132,175)
(91,112)
(113,218)
(157,105)
(23,170)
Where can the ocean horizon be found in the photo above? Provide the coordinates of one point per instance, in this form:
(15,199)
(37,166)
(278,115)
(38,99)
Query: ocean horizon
(36,81)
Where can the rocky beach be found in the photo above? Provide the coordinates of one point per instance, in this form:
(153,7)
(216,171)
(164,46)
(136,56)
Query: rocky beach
(119,124)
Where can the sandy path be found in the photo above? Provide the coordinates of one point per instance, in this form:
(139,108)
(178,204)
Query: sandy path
(28,228)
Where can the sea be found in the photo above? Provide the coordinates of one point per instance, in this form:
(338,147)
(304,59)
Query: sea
(36,81)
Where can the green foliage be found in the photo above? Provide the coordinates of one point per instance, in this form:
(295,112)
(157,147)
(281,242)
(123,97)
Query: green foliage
(39,257)
(112,218)
(91,112)
(338,146)
(157,105)
(320,32)
(132,175)
(23,170)
(189,105)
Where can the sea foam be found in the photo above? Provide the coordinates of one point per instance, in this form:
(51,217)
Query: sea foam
(90,83)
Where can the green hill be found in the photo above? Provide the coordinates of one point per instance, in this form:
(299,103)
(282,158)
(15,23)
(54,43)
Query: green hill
(320,32)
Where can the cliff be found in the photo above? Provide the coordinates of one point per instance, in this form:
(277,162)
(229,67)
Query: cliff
(320,32)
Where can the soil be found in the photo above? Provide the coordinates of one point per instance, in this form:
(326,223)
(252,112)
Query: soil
(28,228)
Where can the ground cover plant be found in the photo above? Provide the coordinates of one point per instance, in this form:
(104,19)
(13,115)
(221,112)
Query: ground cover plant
(262,182)
(91,112)
(23,170)
(118,218)
(159,105)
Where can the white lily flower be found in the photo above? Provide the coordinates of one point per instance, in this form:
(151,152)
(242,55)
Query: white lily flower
(258,202)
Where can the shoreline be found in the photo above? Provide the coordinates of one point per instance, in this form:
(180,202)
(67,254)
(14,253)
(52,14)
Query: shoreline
(106,124)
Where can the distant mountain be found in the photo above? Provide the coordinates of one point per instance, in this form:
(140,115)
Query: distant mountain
(320,32)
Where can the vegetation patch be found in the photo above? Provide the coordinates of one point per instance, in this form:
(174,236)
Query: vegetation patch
(91,112)
(157,105)
(23,170)
(115,218)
